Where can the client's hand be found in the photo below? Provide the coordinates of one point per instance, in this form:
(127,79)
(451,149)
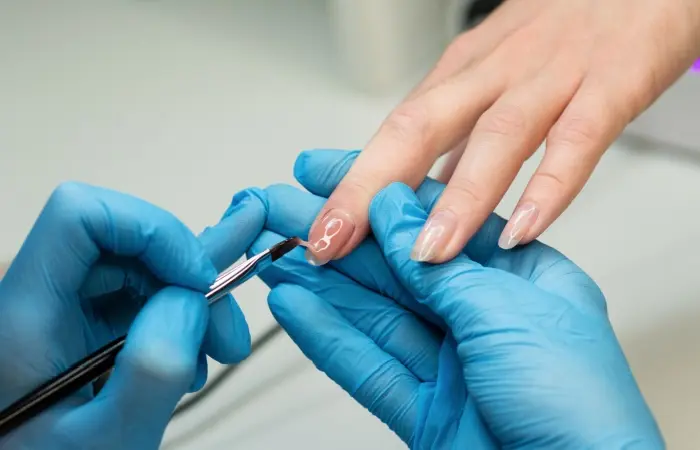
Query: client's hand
(492,350)
(571,72)
(84,274)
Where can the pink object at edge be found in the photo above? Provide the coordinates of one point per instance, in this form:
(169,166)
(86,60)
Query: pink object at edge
(696,66)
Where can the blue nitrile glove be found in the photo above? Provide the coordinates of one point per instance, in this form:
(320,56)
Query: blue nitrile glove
(83,274)
(528,358)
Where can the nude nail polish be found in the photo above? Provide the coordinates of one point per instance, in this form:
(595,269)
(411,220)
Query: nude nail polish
(436,234)
(328,236)
(517,227)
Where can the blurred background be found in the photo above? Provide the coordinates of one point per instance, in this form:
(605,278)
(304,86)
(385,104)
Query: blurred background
(183,103)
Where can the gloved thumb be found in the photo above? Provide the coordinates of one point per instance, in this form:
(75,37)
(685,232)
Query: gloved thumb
(152,373)
(397,217)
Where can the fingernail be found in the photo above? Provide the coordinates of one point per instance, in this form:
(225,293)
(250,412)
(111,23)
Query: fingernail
(329,236)
(435,235)
(519,224)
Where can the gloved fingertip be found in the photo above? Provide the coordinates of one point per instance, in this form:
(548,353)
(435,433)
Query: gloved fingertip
(349,157)
(200,378)
(228,240)
(311,160)
(321,170)
(187,263)
(301,164)
(244,198)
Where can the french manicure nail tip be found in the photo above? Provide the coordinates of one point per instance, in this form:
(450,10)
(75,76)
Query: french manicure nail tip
(435,235)
(518,226)
(326,239)
(312,259)
(425,251)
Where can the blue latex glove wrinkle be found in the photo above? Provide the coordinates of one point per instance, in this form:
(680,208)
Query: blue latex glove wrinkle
(527,358)
(82,278)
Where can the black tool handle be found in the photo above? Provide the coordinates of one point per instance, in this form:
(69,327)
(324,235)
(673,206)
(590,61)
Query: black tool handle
(61,386)
(101,361)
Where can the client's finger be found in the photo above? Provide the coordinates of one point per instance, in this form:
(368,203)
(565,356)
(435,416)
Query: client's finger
(575,144)
(505,136)
(373,377)
(320,171)
(406,146)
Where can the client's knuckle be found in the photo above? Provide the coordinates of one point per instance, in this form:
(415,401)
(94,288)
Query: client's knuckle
(357,186)
(550,181)
(409,124)
(464,191)
(645,87)
(577,132)
(503,120)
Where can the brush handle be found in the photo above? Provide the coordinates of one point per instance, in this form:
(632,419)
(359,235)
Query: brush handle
(61,386)
(98,363)
(102,360)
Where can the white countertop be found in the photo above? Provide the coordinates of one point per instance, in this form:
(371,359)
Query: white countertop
(185,103)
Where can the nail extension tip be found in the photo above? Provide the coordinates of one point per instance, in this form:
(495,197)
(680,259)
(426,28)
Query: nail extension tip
(507,244)
(312,259)
(417,257)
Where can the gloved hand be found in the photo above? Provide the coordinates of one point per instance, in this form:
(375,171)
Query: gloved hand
(496,349)
(86,270)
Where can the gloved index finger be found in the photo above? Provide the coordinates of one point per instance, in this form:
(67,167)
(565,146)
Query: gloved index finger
(228,338)
(81,222)
(242,222)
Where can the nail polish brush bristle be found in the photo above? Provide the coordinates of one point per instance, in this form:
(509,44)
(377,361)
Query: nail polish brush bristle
(284,247)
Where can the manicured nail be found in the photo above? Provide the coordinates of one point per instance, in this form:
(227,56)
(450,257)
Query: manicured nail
(329,236)
(518,225)
(437,232)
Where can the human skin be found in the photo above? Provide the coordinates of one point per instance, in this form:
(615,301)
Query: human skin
(572,73)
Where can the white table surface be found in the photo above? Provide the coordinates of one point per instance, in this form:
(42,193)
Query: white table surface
(184,103)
